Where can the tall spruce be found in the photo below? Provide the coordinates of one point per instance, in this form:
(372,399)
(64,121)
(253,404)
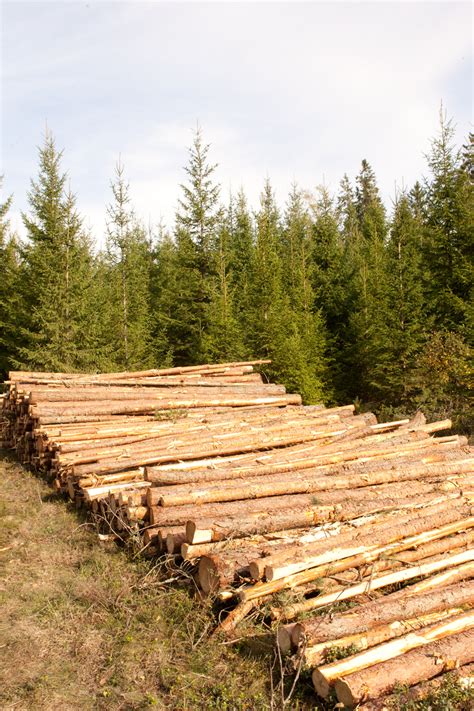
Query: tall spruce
(223,339)
(164,287)
(450,238)
(9,272)
(304,345)
(369,317)
(332,274)
(197,223)
(407,323)
(129,255)
(241,255)
(267,296)
(57,273)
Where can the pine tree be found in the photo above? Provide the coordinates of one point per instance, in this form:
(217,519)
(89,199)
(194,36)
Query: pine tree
(406,324)
(450,238)
(197,223)
(56,274)
(129,254)
(9,272)
(241,256)
(332,274)
(306,343)
(223,339)
(369,317)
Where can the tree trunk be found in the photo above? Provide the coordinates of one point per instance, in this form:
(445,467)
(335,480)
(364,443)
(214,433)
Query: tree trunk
(381,612)
(411,668)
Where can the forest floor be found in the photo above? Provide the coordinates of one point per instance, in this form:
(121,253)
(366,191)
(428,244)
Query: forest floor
(84,625)
(89,625)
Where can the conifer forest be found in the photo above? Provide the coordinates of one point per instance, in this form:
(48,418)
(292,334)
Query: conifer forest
(352,300)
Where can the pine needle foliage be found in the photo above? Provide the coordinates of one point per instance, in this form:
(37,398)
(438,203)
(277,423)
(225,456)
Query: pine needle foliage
(129,258)
(56,273)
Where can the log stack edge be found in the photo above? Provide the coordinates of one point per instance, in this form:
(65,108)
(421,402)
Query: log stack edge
(368,527)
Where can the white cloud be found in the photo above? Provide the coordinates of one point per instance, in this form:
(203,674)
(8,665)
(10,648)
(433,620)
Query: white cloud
(296,91)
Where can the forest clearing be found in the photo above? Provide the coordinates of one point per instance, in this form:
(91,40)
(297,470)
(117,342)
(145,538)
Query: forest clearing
(272,515)
(236,355)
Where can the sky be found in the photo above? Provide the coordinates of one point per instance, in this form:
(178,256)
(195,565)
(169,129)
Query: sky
(294,91)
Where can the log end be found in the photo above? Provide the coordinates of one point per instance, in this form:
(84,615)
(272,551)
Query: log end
(196,535)
(297,634)
(190,531)
(283,639)
(344,694)
(320,683)
(256,569)
(207,575)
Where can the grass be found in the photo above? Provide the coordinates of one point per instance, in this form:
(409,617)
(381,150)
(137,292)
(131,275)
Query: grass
(84,625)
(451,695)
(89,625)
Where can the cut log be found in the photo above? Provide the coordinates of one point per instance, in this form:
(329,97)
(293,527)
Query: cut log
(236,615)
(268,588)
(324,677)
(174,541)
(411,668)
(313,555)
(383,611)
(100,492)
(314,656)
(396,577)
(293,458)
(305,482)
(463,675)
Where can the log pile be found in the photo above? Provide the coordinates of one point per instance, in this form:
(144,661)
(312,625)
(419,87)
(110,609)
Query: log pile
(294,511)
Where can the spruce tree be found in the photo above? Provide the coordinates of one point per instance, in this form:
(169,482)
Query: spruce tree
(292,337)
(368,321)
(129,255)
(407,324)
(450,237)
(197,222)
(305,346)
(223,338)
(9,272)
(56,277)
(332,275)
(267,285)
(241,256)
(164,288)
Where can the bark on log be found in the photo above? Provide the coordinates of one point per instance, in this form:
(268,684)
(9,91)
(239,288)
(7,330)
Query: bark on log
(396,577)
(233,618)
(314,656)
(294,560)
(304,482)
(411,668)
(324,677)
(294,458)
(435,516)
(464,676)
(268,588)
(381,612)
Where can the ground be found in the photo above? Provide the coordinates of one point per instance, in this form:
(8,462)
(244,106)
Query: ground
(84,625)
(89,625)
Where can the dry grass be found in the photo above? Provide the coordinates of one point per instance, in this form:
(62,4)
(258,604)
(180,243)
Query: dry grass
(85,626)
(88,625)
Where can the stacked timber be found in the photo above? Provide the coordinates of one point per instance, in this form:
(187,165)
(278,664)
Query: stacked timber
(235,480)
